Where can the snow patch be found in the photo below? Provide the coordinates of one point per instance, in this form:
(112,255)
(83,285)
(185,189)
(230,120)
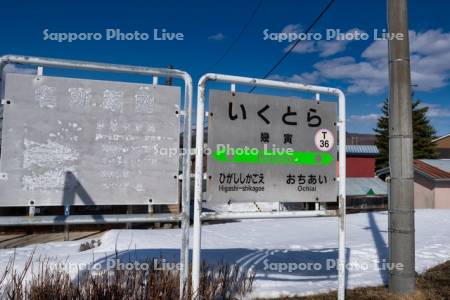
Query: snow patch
(258,243)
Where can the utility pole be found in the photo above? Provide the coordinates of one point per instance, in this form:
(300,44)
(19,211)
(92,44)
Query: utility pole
(401,192)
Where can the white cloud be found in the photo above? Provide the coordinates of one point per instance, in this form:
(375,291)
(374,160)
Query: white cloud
(436,110)
(364,118)
(297,28)
(430,58)
(303,47)
(361,76)
(433,41)
(305,78)
(430,64)
(325,48)
(11,68)
(217,37)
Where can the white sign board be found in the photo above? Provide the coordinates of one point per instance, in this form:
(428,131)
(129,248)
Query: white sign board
(270,148)
(87,142)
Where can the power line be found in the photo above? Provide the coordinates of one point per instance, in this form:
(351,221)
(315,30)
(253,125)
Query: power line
(282,58)
(238,37)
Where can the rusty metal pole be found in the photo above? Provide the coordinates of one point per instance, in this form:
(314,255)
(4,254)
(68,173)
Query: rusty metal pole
(401,206)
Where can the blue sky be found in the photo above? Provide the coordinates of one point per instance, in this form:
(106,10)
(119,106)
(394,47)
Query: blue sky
(357,67)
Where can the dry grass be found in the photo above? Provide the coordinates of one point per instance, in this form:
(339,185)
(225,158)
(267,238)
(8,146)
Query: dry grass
(225,282)
(217,282)
(90,245)
(432,285)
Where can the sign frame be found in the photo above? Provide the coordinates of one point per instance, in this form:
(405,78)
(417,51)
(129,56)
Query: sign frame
(199,216)
(183,217)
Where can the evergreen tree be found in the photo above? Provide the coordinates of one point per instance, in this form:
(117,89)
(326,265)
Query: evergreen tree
(382,137)
(423,134)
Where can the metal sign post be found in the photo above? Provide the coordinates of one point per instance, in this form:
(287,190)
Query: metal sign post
(47,93)
(255,159)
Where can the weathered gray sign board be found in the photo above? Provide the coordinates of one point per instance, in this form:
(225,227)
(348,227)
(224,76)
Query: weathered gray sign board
(88,142)
(269,148)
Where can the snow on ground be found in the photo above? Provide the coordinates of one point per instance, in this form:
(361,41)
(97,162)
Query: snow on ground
(308,246)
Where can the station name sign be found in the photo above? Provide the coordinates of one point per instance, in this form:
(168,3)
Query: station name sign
(270,149)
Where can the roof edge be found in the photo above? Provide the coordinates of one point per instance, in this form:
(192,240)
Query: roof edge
(441,137)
